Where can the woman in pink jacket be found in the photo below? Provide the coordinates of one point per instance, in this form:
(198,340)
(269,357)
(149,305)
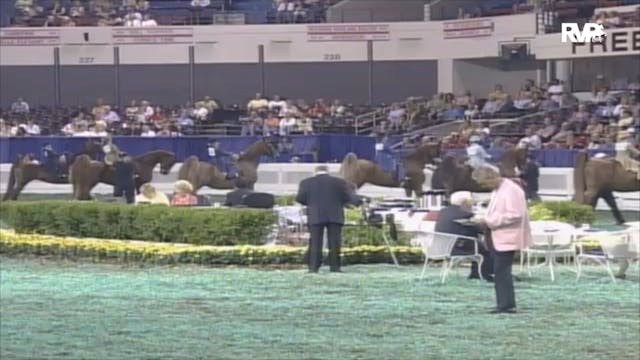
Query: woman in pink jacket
(508,221)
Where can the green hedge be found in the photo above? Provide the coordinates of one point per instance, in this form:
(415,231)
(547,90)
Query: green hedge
(149,223)
(105,250)
(565,211)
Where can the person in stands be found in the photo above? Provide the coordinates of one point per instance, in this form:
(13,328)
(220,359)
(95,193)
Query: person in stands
(183,194)
(477,155)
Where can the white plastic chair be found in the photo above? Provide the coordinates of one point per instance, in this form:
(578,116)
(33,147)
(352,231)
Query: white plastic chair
(439,246)
(614,246)
(551,240)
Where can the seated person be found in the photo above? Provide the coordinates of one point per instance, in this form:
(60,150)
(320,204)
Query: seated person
(460,208)
(234,198)
(183,194)
(53,162)
(496,100)
(525,98)
(564,137)
(149,195)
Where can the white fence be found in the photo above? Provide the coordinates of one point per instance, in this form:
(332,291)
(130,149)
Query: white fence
(555,183)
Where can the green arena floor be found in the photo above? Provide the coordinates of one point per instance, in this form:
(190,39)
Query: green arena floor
(60,310)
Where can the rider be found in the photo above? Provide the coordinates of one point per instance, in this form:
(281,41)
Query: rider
(476,153)
(223,160)
(111,151)
(627,153)
(51,161)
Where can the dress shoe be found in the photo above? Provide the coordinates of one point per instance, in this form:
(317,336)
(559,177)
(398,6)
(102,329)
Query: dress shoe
(473,276)
(621,276)
(312,271)
(489,279)
(335,271)
(503,311)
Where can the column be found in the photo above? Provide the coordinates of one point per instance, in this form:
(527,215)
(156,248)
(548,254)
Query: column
(445,76)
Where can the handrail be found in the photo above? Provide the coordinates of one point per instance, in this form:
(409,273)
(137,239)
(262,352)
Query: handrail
(360,125)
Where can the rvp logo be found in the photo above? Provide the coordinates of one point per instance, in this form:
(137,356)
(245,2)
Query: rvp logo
(590,33)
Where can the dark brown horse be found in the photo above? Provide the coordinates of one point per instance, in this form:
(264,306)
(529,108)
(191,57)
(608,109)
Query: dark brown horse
(454,175)
(24,170)
(85,174)
(599,178)
(202,173)
(360,171)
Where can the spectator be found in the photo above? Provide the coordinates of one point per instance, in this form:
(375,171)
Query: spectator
(100,128)
(531,140)
(299,12)
(100,109)
(287,124)
(20,106)
(201,112)
(621,107)
(282,14)
(396,117)
(250,123)
(147,110)
(111,117)
(319,108)
(5,129)
(547,104)
(258,104)
(555,91)
(31,128)
(77,9)
(497,100)
(147,21)
(548,130)
(133,18)
(564,138)
(305,124)
(147,132)
(531,175)
(595,129)
(271,124)
(278,105)
(525,98)
(600,89)
(210,104)
(132,111)
(183,194)
(149,195)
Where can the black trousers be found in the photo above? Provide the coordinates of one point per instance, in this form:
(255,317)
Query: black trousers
(334,237)
(505,295)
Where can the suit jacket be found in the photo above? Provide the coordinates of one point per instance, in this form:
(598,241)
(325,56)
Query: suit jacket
(507,217)
(530,174)
(124,172)
(446,223)
(325,197)
(234,198)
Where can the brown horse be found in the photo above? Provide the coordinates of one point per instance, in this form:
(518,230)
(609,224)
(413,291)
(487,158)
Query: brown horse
(360,171)
(598,178)
(24,170)
(85,174)
(454,175)
(202,173)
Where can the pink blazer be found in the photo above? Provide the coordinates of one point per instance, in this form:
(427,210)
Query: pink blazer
(507,217)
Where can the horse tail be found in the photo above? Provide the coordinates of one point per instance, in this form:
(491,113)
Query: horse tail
(80,162)
(579,183)
(350,160)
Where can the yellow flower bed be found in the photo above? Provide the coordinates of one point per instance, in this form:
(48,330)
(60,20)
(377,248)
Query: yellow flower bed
(12,243)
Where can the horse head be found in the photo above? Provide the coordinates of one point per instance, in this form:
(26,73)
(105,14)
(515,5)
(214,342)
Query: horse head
(257,149)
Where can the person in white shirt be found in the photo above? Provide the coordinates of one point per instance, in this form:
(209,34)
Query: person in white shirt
(111,117)
(147,132)
(282,11)
(287,124)
(200,112)
(277,104)
(32,128)
(147,110)
(68,129)
(555,91)
(147,21)
(133,19)
(476,153)
(531,140)
(200,3)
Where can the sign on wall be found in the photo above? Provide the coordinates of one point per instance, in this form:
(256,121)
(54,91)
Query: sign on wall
(153,35)
(29,37)
(616,42)
(468,28)
(336,32)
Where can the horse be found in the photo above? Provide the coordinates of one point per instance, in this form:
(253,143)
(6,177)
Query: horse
(24,170)
(454,175)
(85,174)
(202,173)
(360,171)
(599,178)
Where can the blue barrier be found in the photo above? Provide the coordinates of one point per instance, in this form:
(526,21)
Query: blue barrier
(328,148)
(323,148)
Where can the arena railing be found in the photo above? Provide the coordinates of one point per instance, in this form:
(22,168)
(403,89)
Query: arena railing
(366,123)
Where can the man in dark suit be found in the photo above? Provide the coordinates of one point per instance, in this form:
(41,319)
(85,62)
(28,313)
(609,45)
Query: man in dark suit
(325,197)
(124,177)
(530,174)
(234,198)
(460,208)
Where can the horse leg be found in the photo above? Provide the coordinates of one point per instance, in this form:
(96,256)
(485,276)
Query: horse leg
(17,190)
(608,197)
